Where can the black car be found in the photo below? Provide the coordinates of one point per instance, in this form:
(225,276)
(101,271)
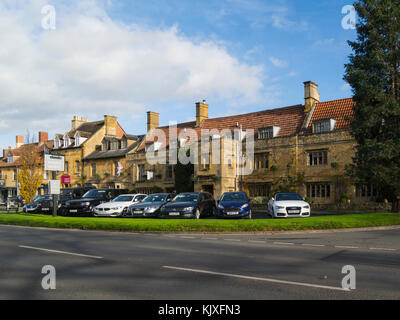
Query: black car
(193,205)
(65,195)
(36,205)
(150,206)
(91,199)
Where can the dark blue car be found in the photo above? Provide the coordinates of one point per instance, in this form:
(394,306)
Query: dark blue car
(234,205)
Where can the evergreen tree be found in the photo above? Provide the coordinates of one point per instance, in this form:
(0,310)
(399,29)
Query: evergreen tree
(374,75)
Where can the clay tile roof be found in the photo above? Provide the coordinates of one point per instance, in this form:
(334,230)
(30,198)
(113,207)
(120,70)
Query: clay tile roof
(339,110)
(289,119)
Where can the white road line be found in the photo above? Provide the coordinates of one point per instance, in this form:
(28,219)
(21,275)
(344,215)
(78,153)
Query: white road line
(383,249)
(210,238)
(62,252)
(188,237)
(258,279)
(236,240)
(346,247)
(257,241)
(285,243)
(313,245)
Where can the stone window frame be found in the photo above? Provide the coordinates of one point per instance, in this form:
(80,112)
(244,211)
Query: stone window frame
(319,190)
(318,155)
(264,159)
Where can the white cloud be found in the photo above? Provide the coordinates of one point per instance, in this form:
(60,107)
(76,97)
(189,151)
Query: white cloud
(92,65)
(279,63)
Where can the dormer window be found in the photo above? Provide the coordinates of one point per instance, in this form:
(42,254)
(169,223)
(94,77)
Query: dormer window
(10,159)
(67,141)
(153,147)
(57,142)
(77,140)
(322,126)
(124,143)
(268,132)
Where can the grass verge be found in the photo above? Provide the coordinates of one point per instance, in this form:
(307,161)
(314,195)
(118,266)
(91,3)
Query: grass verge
(207,225)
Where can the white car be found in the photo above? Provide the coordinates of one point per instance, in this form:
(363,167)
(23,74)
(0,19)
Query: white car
(288,205)
(118,206)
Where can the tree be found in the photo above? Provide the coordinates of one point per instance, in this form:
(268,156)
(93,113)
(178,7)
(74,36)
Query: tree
(184,176)
(30,175)
(374,75)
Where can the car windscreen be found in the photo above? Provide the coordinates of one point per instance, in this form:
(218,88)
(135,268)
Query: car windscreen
(231,197)
(187,197)
(288,197)
(123,199)
(96,194)
(155,198)
(66,193)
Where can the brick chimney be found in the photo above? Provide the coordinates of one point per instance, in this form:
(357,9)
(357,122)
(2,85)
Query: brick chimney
(76,122)
(152,120)
(110,124)
(311,95)
(19,141)
(43,137)
(201,112)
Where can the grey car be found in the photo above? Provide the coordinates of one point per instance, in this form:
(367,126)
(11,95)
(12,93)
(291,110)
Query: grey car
(150,206)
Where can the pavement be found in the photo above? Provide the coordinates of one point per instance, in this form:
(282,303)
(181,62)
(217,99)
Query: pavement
(149,266)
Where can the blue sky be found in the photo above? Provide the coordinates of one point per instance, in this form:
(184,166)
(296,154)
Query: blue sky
(127,57)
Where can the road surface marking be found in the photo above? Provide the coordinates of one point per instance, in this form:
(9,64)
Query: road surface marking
(210,238)
(313,245)
(257,241)
(346,247)
(183,237)
(384,249)
(62,252)
(236,240)
(258,279)
(285,243)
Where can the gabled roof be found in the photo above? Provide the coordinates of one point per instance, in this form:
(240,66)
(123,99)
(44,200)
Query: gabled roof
(38,147)
(339,110)
(100,154)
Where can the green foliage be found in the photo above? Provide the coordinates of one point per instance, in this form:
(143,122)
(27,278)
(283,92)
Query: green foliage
(374,74)
(184,176)
(260,200)
(288,183)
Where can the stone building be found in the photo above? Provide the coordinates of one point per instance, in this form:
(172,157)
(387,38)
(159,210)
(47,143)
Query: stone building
(11,160)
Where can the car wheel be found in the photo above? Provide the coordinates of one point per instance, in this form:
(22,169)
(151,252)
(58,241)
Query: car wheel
(197,214)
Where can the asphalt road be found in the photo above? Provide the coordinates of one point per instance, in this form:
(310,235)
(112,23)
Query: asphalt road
(103,265)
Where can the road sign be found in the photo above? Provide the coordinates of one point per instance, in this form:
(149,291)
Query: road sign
(53,162)
(54,187)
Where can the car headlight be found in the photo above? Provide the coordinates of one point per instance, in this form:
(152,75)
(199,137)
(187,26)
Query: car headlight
(279,207)
(306,207)
(245,205)
(220,206)
(188,209)
(150,209)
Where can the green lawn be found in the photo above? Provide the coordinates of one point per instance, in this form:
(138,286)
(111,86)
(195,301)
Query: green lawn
(159,225)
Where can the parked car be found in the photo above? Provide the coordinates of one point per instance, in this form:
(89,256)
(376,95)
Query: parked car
(90,200)
(16,201)
(234,205)
(36,205)
(118,206)
(150,206)
(192,205)
(65,195)
(287,205)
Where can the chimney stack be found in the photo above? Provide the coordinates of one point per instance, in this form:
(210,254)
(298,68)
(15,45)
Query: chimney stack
(110,124)
(152,120)
(311,95)
(201,112)
(43,137)
(19,141)
(76,122)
